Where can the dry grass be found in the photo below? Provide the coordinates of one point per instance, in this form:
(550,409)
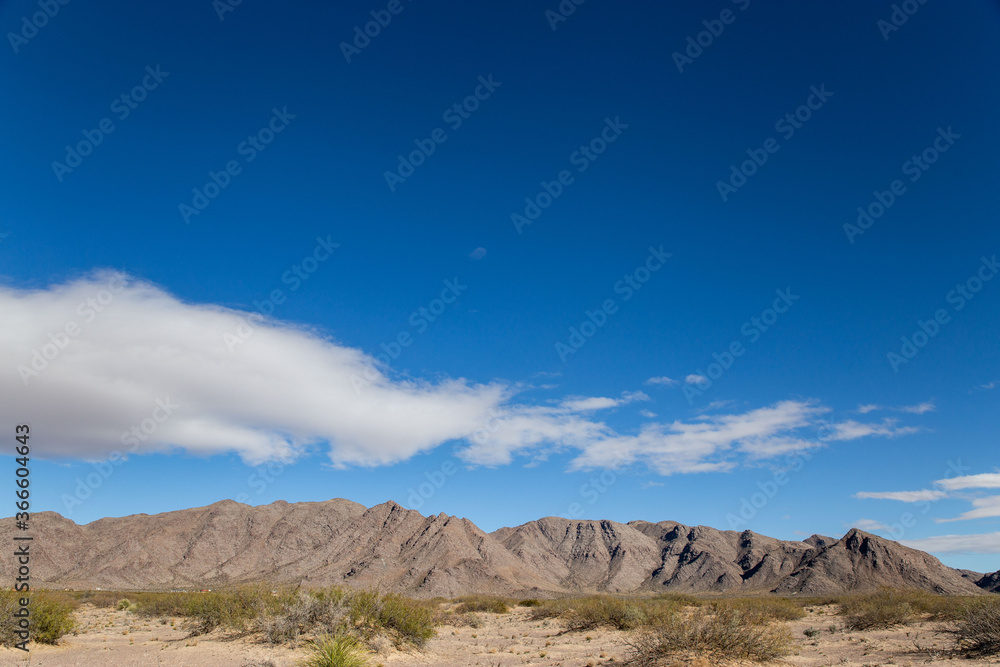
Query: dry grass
(977,627)
(762,610)
(719,633)
(484,603)
(889,608)
(50,616)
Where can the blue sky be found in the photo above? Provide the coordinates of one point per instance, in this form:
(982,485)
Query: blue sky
(592,212)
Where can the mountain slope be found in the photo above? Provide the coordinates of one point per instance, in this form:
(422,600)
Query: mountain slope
(387,546)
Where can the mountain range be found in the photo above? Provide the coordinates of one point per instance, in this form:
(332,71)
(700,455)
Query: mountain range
(392,548)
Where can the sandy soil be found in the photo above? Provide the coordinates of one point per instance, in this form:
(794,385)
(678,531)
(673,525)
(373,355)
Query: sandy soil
(118,639)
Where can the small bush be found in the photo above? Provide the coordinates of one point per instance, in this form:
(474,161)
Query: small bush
(878,611)
(410,620)
(978,627)
(125,605)
(592,612)
(763,610)
(50,617)
(721,634)
(530,602)
(492,605)
(335,651)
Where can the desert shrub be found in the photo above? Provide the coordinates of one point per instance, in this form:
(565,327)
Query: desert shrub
(464,620)
(485,603)
(549,609)
(883,609)
(335,651)
(530,602)
(977,626)
(125,605)
(763,610)
(719,634)
(681,599)
(99,599)
(299,615)
(50,616)
(591,612)
(408,619)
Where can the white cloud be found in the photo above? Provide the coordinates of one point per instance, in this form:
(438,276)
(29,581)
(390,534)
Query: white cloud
(985,508)
(851,430)
(650,485)
(587,404)
(918,409)
(696,379)
(664,380)
(478,253)
(869,525)
(985,481)
(903,496)
(648,414)
(985,543)
(287,389)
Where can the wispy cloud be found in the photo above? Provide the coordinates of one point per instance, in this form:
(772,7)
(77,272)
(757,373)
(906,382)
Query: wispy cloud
(851,430)
(288,390)
(693,378)
(868,525)
(985,508)
(663,380)
(478,253)
(903,496)
(984,543)
(648,414)
(989,480)
(917,409)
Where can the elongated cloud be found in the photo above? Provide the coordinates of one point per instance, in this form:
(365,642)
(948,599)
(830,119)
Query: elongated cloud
(990,480)
(903,496)
(109,363)
(986,543)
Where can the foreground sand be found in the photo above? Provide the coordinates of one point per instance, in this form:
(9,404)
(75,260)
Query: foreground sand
(116,638)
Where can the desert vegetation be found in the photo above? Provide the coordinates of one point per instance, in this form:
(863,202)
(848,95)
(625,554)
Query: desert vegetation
(336,626)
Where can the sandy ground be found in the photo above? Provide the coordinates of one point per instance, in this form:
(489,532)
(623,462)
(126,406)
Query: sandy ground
(119,639)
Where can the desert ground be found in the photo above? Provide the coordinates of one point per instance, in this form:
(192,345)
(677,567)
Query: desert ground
(105,637)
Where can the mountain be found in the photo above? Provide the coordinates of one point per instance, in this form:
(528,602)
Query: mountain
(390,547)
(990,582)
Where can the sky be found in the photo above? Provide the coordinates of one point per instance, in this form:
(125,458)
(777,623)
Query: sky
(726,264)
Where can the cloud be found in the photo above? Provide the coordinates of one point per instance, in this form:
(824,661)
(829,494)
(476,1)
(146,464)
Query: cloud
(903,496)
(869,525)
(918,409)
(664,380)
(985,508)
(984,543)
(696,379)
(985,481)
(851,430)
(478,253)
(648,414)
(587,404)
(285,390)
(650,485)
(988,386)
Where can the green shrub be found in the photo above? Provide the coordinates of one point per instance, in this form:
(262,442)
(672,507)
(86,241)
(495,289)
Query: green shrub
(720,634)
(763,610)
(977,627)
(409,620)
(530,602)
(884,609)
(50,617)
(492,605)
(335,651)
